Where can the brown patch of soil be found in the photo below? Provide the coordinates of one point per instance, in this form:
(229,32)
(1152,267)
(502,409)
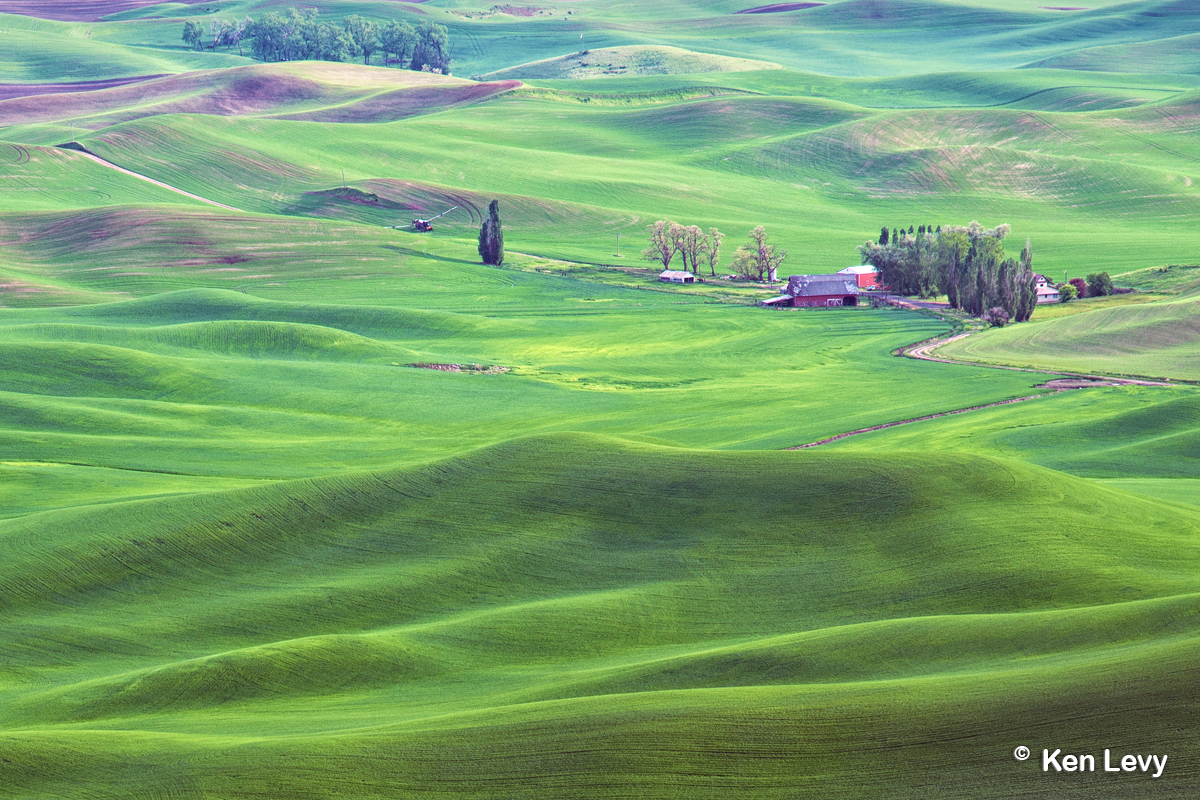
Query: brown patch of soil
(425,199)
(775,8)
(481,369)
(401,103)
(1076,383)
(246,92)
(10,90)
(358,197)
(517,11)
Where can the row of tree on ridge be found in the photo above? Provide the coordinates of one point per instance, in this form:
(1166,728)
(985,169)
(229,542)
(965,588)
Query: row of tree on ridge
(297,36)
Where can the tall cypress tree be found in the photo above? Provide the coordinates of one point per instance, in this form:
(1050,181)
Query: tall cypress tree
(1028,302)
(491,236)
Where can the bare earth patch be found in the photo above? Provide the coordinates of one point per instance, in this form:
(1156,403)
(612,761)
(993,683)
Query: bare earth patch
(518,11)
(401,103)
(11,90)
(478,369)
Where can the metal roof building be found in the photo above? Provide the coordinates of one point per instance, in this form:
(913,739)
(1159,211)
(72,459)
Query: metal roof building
(866,275)
(811,291)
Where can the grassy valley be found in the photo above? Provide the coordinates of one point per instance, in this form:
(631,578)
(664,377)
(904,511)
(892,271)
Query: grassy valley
(296,501)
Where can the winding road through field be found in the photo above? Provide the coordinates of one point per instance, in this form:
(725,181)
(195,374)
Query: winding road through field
(924,352)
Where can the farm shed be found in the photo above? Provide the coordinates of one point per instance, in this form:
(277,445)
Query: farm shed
(783,301)
(676,276)
(866,275)
(824,291)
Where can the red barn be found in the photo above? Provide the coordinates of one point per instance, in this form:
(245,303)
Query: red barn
(822,290)
(817,291)
(866,275)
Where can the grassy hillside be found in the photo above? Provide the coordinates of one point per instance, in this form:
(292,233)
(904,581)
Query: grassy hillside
(49,178)
(1120,432)
(728,168)
(1092,189)
(621,62)
(42,51)
(306,90)
(1160,340)
(551,631)
(215,382)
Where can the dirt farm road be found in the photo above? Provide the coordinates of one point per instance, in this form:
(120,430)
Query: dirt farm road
(148,179)
(1066,381)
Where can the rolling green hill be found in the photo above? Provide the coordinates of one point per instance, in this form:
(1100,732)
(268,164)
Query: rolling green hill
(550,630)
(621,62)
(1158,340)
(220,383)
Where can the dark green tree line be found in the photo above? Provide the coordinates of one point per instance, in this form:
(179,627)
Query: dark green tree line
(966,263)
(297,35)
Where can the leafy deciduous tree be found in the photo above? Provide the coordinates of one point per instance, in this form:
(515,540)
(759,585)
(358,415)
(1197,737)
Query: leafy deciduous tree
(364,34)
(711,248)
(432,50)
(662,247)
(691,243)
(758,259)
(996,317)
(193,35)
(1099,284)
(399,38)
(298,35)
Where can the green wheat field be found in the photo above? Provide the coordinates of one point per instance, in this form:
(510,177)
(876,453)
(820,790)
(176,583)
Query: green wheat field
(249,550)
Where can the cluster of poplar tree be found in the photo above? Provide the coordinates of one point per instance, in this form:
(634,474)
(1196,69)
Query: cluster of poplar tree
(297,36)
(965,263)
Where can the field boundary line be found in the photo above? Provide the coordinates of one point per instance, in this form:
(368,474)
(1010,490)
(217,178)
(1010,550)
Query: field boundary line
(923,351)
(1009,401)
(106,163)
